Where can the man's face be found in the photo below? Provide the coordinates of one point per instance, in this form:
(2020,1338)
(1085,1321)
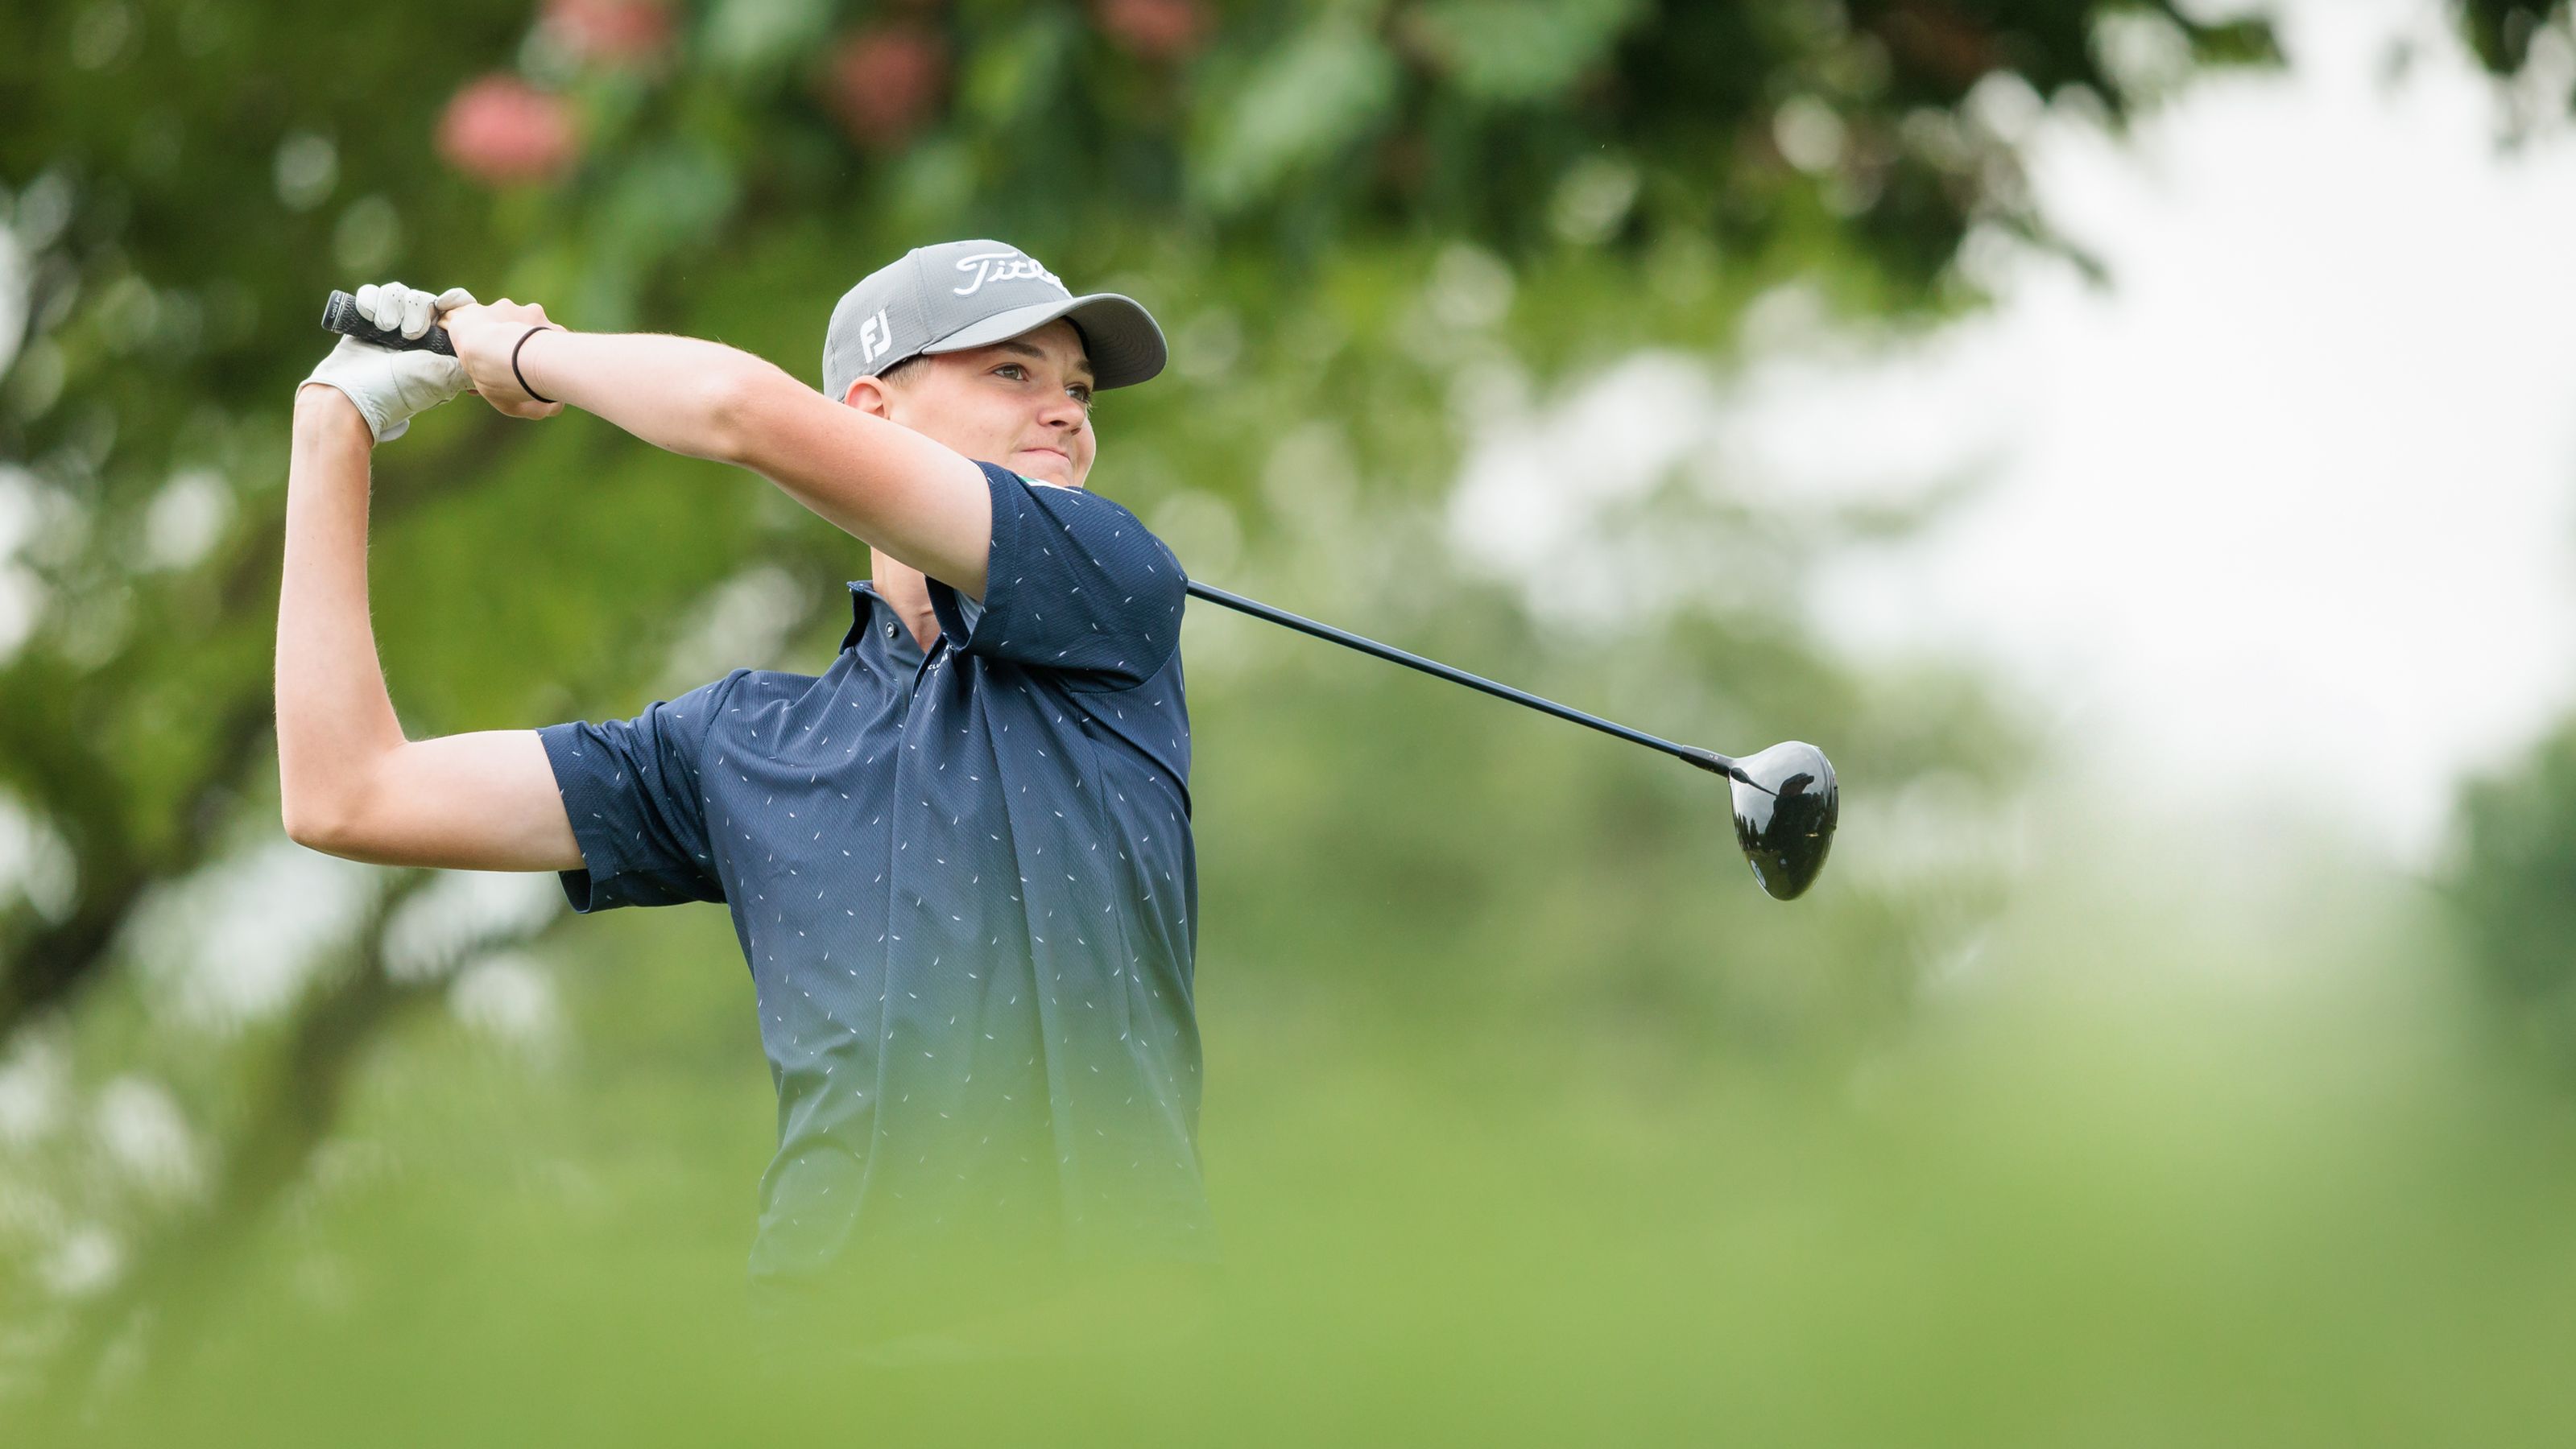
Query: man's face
(1024,403)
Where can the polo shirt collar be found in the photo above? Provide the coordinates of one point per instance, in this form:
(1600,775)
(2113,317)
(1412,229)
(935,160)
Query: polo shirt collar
(875,622)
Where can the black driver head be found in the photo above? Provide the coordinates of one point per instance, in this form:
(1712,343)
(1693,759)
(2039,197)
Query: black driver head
(1787,824)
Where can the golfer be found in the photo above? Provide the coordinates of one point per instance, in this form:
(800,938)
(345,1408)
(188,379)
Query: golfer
(958,861)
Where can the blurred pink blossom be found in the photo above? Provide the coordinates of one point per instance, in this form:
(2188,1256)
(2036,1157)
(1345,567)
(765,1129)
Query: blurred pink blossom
(1154,29)
(885,82)
(610,32)
(500,130)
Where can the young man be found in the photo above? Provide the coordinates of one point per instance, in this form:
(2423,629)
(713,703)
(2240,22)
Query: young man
(958,861)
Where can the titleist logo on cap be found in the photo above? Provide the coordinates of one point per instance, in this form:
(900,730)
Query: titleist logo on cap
(1004,267)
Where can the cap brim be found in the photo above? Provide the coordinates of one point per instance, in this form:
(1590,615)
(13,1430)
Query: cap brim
(1118,334)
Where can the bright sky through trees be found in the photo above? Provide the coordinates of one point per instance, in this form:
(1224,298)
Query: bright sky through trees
(2295,498)
(2290,504)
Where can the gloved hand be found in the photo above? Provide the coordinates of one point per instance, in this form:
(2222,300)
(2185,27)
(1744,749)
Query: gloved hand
(389,385)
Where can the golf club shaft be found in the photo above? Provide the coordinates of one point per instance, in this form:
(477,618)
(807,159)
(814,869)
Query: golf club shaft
(1708,760)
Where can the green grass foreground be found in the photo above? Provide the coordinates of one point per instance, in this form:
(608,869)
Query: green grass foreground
(2082,1201)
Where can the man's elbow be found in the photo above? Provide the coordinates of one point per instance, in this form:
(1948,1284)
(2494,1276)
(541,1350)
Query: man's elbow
(329,814)
(309,828)
(317,823)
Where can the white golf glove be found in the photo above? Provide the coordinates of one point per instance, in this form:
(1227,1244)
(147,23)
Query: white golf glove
(387,384)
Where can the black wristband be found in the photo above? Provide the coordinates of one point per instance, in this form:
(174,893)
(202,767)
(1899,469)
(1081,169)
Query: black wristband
(514,360)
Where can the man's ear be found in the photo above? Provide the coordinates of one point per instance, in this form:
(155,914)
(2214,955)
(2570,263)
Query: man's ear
(869,395)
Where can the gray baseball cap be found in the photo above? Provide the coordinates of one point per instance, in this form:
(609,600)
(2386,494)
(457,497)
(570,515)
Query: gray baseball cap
(963,294)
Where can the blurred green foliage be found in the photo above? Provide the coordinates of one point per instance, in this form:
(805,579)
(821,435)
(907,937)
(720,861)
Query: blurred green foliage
(1527,1114)
(2064,1208)
(2502,32)
(2512,886)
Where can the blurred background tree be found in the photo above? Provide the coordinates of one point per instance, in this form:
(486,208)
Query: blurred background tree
(2503,32)
(2512,875)
(2512,885)
(1370,229)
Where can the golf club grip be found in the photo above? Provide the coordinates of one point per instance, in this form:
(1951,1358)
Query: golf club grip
(341,315)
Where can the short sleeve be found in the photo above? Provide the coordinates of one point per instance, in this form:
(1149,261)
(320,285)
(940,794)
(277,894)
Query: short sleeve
(1073,583)
(631,790)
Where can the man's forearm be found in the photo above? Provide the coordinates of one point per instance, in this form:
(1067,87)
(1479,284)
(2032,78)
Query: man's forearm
(673,392)
(334,717)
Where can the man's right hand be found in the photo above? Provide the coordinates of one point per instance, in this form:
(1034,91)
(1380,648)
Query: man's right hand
(487,338)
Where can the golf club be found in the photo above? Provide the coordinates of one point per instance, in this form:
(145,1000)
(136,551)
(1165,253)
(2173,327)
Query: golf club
(1786,802)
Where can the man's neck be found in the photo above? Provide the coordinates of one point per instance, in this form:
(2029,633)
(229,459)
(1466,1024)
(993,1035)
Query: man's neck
(904,586)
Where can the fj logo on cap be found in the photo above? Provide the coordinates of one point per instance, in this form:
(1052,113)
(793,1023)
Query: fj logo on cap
(875,338)
(1003,267)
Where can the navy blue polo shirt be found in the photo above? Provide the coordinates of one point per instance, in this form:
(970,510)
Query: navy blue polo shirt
(965,886)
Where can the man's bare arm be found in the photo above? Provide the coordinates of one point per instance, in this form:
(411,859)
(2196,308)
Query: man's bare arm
(911,495)
(350,783)
(919,500)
